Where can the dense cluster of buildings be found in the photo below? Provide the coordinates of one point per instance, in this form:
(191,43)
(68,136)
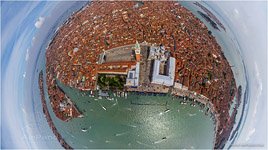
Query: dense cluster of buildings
(192,59)
(162,67)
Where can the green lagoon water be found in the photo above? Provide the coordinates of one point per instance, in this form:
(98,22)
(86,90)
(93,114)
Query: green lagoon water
(120,123)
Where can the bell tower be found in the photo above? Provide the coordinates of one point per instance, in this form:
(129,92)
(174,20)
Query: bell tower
(137,51)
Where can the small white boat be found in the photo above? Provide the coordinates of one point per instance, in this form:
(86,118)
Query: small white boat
(120,134)
(84,130)
(159,141)
(192,115)
(107,141)
(81,116)
(167,110)
(103,107)
(113,104)
(133,126)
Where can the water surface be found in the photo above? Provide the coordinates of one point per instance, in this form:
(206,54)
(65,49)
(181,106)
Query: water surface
(138,121)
